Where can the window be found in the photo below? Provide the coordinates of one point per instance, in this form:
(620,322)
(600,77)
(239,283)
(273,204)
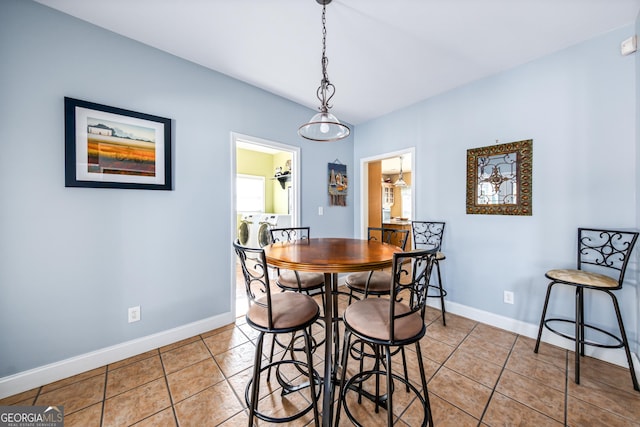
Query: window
(249,193)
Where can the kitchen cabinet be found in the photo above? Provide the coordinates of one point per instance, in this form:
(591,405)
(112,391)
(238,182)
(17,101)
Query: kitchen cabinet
(387,194)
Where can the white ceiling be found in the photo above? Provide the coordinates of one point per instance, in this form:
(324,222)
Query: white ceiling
(383,55)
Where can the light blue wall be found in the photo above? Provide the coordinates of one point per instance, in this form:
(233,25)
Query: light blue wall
(72,259)
(579,107)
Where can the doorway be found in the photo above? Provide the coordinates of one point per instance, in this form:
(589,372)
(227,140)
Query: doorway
(265,193)
(386,200)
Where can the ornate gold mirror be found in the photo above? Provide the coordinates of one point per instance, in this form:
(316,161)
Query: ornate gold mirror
(499,179)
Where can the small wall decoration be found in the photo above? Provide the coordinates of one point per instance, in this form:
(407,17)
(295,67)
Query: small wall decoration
(499,179)
(338,184)
(110,147)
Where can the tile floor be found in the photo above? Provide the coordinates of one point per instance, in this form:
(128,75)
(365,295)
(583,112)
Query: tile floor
(477,376)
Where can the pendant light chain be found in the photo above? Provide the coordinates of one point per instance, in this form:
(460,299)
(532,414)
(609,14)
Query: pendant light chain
(325,84)
(324,126)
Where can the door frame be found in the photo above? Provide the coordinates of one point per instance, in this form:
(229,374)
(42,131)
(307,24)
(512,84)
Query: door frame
(235,137)
(364,184)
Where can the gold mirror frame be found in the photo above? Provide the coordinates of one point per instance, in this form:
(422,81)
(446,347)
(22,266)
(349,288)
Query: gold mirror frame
(512,189)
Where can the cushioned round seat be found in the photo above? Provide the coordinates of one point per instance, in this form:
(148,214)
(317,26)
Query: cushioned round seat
(308,281)
(594,280)
(288,310)
(379,283)
(370,317)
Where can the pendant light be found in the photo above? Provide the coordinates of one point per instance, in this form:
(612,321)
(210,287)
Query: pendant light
(324,126)
(400,182)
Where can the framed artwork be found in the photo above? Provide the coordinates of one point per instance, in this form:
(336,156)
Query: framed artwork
(499,179)
(108,147)
(338,184)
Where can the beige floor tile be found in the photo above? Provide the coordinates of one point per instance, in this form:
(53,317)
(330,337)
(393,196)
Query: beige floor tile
(209,407)
(133,375)
(466,394)
(607,373)
(180,343)
(447,415)
(133,359)
(136,404)
(225,340)
(183,356)
(494,335)
(165,418)
(531,366)
(459,322)
(75,396)
(21,398)
(193,379)
(484,350)
(87,417)
(503,411)
(446,334)
(435,350)
(479,370)
(237,359)
(581,413)
(624,403)
(533,394)
(546,353)
(67,381)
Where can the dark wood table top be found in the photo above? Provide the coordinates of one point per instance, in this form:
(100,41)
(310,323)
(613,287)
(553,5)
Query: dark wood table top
(331,255)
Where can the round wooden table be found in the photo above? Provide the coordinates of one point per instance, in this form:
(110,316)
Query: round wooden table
(331,256)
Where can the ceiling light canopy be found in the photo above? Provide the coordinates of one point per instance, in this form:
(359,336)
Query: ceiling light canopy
(324,126)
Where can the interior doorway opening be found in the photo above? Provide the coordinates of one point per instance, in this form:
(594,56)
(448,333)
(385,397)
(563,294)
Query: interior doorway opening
(388,190)
(265,193)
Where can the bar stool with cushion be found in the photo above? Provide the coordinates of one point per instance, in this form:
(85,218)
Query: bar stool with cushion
(428,235)
(376,282)
(297,281)
(384,323)
(603,256)
(277,313)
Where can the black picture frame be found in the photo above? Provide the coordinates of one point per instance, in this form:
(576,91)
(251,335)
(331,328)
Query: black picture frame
(109,147)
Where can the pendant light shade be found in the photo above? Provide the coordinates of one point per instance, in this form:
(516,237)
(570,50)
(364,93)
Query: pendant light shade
(324,126)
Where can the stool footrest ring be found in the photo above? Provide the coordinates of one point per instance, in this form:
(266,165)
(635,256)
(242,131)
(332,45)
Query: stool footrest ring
(586,342)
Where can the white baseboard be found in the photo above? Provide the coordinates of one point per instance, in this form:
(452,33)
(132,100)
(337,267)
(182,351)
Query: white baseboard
(46,374)
(615,356)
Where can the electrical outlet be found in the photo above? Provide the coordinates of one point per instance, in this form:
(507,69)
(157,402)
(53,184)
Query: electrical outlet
(134,314)
(508,297)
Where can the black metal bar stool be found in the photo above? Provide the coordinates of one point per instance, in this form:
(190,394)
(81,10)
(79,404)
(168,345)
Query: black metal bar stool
(605,253)
(385,323)
(277,313)
(428,235)
(376,282)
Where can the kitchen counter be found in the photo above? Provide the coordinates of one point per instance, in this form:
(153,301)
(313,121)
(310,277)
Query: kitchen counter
(397,222)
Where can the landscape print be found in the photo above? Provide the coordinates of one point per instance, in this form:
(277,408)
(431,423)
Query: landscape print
(120,149)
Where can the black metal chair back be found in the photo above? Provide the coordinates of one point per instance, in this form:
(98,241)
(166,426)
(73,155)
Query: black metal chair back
(427,234)
(605,251)
(289,234)
(392,236)
(256,277)
(411,271)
